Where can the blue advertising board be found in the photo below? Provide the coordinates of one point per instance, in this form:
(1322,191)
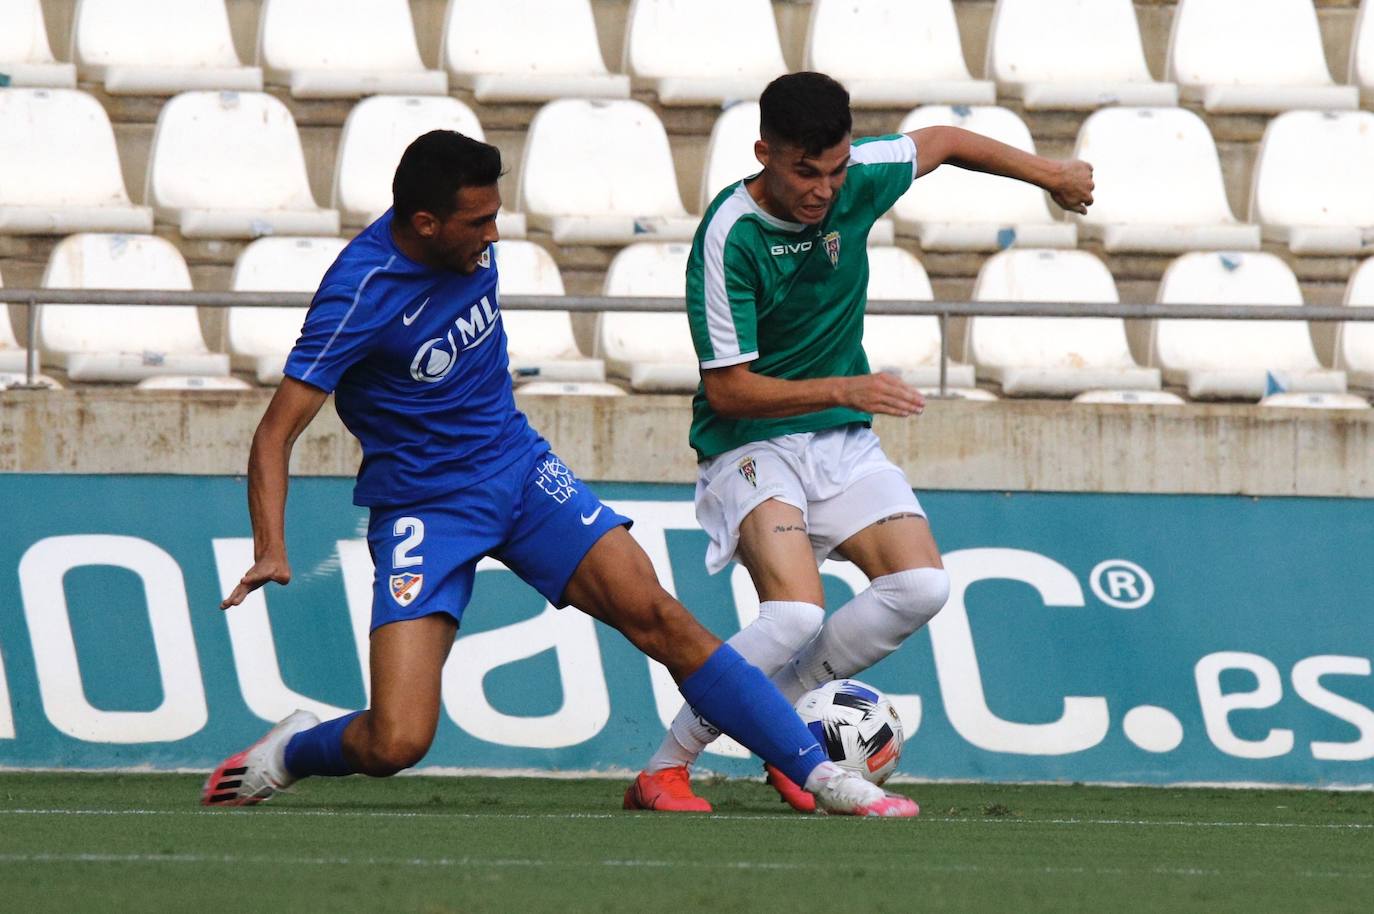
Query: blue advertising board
(1141,639)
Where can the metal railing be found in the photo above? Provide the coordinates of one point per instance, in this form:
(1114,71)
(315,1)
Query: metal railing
(943,311)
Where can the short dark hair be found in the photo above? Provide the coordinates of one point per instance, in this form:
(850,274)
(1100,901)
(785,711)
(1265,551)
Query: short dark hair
(806,109)
(435,166)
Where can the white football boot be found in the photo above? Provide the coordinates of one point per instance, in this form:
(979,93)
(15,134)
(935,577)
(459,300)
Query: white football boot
(258,772)
(843,793)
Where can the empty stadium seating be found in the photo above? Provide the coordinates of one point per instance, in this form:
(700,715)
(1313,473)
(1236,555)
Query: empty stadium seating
(1130,398)
(343,49)
(527,50)
(601,172)
(1314,182)
(1315,401)
(730,151)
(1051,356)
(259,339)
(376,133)
(955,209)
(59,171)
(908,345)
(652,349)
(158,47)
(1239,55)
(26,57)
(11,353)
(695,52)
(1233,359)
(540,344)
(1159,184)
(1362,54)
(893,53)
(1072,54)
(122,342)
(230,165)
(1355,342)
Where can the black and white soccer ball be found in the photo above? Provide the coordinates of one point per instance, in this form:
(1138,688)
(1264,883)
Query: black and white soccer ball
(857,725)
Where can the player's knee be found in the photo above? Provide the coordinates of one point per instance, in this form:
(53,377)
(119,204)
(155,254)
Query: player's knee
(915,595)
(790,623)
(390,753)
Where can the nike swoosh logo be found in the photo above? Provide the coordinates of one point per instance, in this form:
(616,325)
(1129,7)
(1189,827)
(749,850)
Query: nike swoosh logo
(588,519)
(409,319)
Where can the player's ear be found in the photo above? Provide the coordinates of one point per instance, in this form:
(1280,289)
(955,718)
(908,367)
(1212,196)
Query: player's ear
(425,224)
(761,152)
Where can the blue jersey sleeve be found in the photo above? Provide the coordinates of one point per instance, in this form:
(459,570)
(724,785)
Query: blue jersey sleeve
(340,330)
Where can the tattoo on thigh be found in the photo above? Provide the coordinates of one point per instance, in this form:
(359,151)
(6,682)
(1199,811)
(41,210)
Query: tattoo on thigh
(789,528)
(896,517)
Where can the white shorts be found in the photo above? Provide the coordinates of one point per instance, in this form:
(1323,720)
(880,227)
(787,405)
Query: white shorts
(839,478)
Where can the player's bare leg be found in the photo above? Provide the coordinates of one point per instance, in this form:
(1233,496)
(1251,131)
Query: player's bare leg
(407,663)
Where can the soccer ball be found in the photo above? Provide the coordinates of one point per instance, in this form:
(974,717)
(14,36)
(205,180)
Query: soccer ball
(857,725)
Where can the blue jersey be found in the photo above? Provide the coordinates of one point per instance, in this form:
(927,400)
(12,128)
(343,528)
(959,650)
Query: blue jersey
(416,359)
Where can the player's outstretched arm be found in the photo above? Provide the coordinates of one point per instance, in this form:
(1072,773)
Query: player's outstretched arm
(1069,182)
(292,408)
(738,393)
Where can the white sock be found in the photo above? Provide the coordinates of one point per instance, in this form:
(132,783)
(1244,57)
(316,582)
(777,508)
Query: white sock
(782,628)
(866,629)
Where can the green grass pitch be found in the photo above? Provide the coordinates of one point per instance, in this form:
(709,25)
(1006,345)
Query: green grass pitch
(73,842)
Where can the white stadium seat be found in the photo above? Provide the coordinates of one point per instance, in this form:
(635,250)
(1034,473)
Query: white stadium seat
(1235,359)
(1130,397)
(601,172)
(653,349)
(1072,54)
(376,133)
(259,339)
(1315,401)
(541,344)
(702,52)
(230,165)
(1314,182)
(11,353)
(122,342)
(893,53)
(25,54)
(59,169)
(730,158)
(527,50)
(1159,184)
(1355,342)
(192,383)
(344,49)
(158,47)
(1052,356)
(1362,53)
(569,389)
(953,209)
(1248,56)
(906,344)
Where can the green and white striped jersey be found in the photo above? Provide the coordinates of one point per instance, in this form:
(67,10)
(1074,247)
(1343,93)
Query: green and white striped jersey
(788,297)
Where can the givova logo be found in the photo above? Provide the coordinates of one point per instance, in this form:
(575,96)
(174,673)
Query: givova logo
(433,360)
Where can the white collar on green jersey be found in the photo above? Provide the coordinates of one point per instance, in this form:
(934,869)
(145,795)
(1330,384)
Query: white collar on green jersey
(764,214)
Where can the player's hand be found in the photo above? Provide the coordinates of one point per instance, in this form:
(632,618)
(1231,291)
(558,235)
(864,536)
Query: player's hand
(883,392)
(1073,188)
(268,568)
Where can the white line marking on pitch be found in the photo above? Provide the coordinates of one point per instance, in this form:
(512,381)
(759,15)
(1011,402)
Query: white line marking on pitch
(573,816)
(487,863)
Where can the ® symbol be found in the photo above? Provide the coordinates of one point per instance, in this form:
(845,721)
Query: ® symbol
(1122,584)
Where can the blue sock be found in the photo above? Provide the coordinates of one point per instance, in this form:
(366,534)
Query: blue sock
(735,696)
(319,750)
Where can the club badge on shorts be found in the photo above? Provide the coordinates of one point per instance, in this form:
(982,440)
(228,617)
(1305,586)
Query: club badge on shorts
(749,471)
(831,242)
(405,587)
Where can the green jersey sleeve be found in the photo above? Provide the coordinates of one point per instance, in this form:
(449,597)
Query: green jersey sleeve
(886,166)
(723,288)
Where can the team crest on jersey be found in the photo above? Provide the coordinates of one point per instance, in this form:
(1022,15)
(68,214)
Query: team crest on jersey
(749,471)
(485,261)
(405,587)
(831,242)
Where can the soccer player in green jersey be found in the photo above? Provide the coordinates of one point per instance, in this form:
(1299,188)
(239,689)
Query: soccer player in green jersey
(790,471)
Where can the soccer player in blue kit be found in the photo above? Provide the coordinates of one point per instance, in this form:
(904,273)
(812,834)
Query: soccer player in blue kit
(406,331)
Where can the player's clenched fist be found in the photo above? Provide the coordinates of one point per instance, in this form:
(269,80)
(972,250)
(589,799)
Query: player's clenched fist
(882,392)
(1073,187)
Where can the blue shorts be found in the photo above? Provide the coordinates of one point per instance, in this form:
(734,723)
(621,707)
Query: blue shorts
(535,516)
